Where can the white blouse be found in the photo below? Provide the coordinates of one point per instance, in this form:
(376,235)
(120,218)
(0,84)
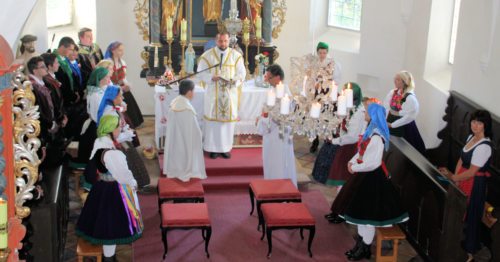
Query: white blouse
(116,163)
(372,157)
(356,127)
(481,154)
(409,109)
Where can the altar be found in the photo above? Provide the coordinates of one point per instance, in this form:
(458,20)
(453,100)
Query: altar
(252,100)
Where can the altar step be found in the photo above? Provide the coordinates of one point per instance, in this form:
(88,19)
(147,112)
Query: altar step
(244,165)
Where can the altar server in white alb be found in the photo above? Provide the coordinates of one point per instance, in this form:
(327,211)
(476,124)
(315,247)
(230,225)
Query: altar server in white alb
(224,82)
(183,142)
(277,150)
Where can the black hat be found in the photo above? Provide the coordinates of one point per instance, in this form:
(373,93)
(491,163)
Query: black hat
(28,38)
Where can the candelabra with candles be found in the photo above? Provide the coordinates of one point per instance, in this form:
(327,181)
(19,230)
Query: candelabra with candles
(309,114)
(170,39)
(246,42)
(183,46)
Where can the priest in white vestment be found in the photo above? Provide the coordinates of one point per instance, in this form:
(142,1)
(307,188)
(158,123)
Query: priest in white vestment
(223,88)
(277,150)
(183,141)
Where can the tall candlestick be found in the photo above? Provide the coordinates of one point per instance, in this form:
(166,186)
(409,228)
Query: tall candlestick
(258,27)
(233,5)
(349,97)
(156,57)
(341,106)
(280,90)
(183,29)
(3,224)
(285,105)
(315,110)
(304,89)
(271,98)
(170,28)
(334,91)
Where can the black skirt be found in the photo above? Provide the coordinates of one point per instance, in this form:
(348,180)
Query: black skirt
(323,162)
(375,202)
(133,110)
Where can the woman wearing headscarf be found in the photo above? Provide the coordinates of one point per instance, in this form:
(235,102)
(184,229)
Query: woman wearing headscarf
(375,202)
(343,142)
(115,52)
(111,213)
(402,107)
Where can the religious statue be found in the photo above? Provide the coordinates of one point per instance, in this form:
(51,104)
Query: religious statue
(212,10)
(189,59)
(26,49)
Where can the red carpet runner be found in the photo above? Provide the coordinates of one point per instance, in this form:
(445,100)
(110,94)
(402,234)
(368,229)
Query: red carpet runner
(235,236)
(244,165)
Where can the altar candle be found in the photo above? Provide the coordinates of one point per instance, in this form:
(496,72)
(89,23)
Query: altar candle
(315,110)
(258,27)
(349,98)
(303,93)
(341,106)
(233,4)
(334,92)
(280,90)
(170,28)
(285,105)
(156,57)
(3,224)
(183,29)
(271,98)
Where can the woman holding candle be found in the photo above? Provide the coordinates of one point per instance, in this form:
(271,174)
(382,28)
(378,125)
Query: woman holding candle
(277,150)
(376,202)
(470,174)
(111,213)
(115,52)
(344,144)
(402,106)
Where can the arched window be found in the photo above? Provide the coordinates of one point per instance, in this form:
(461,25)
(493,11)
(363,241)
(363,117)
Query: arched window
(59,13)
(345,14)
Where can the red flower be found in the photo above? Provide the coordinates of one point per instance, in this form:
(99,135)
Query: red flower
(265,53)
(162,97)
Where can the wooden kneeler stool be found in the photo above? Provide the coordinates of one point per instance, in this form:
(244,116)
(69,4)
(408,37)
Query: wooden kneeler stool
(272,191)
(85,249)
(287,216)
(178,191)
(394,234)
(185,216)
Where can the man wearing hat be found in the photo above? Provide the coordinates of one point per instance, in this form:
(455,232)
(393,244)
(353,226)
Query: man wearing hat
(26,50)
(328,70)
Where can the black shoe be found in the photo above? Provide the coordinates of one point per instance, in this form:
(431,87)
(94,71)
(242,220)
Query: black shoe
(147,190)
(213,155)
(359,240)
(109,259)
(363,252)
(314,145)
(336,220)
(226,155)
(330,215)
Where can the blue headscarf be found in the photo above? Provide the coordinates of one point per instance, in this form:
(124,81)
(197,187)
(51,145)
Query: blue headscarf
(109,95)
(378,123)
(111,47)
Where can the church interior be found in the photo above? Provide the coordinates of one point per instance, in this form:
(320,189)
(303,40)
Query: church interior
(373,125)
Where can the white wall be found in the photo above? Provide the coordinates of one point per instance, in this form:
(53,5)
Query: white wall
(116,22)
(13,16)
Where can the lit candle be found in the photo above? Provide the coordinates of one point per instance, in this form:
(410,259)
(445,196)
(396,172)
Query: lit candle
(341,106)
(285,105)
(3,224)
(258,27)
(233,4)
(170,28)
(334,91)
(271,98)
(349,98)
(304,93)
(156,57)
(183,29)
(315,110)
(246,30)
(280,90)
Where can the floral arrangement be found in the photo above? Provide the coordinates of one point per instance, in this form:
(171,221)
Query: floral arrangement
(262,58)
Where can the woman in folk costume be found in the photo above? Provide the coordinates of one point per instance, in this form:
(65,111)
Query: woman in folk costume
(402,106)
(471,174)
(115,52)
(111,213)
(112,104)
(375,202)
(349,136)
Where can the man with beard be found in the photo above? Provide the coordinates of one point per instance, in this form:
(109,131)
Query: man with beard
(224,81)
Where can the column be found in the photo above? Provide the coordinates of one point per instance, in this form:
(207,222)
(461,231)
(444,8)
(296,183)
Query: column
(267,22)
